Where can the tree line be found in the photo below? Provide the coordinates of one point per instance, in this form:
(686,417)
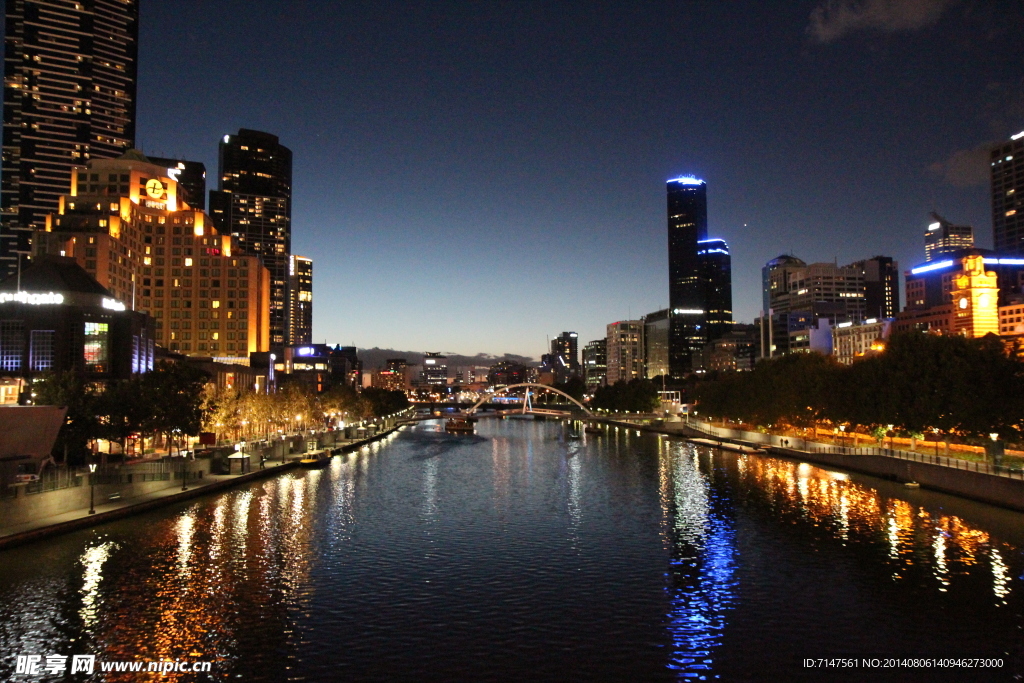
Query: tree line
(921,383)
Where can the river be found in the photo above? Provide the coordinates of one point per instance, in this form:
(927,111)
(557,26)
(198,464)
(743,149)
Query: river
(519,554)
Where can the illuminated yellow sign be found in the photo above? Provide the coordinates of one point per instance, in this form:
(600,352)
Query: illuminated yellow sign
(154,188)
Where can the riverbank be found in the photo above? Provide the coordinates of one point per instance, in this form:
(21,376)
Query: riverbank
(980,484)
(109,511)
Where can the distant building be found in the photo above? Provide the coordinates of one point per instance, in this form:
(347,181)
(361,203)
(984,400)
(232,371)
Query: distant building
(716,276)
(657,326)
(300,300)
(435,369)
(505,373)
(1011,319)
(942,238)
(736,351)
(62,320)
(814,337)
(881,286)
(595,364)
(253,202)
(191,177)
(565,346)
(625,351)
(70,75)
(318,367)
(1007,167)
(130,233)
(931,284)
(850,342)
(973,304)
(394,376)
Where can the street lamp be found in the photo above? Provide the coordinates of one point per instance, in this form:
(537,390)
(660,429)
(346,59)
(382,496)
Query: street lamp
(92,488)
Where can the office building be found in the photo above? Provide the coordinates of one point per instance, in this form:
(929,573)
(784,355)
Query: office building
(253,203)
(595,364)
(700,286)
(735,351)
(942,237)
(716,277)
(69,96)
(300,300)
(435,369)
(1007,167)
(881,275)
(61,319)
(565,346)
(625,349)
(931,284)
(850,342)
(506,373)
(122,223)
(656,333)
(191,177)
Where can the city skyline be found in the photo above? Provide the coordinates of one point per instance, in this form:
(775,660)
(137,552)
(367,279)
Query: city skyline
(418,156)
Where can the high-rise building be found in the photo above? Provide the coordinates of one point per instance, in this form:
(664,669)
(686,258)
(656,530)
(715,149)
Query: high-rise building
(435,369)
(566,347)
(1007,164)
(716,276)
(191,177)
(942,237)
(595,364)
(881,286)
(131,235)
(687,226)
(69,96)
(656,331)
(300,300)
(253,203)
(625,351)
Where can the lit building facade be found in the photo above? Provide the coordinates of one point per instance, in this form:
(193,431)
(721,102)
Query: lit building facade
(566,347)
(972,306)
(253,202)
(435,369)
(687,227)
(69,96)
(942,237)
(881,286)
(191,177)
(931,284)
(300,300)
(656,333)
(736,351)
(1011,320)
(123,223)
(850,342)
(716,277)
(595,364)
(1007,167)
(625,348)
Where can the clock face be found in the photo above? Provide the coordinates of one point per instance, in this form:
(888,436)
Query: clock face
(963,303)
(154,188)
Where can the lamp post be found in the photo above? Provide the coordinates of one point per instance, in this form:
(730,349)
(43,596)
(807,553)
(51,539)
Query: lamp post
(92,488)
(184,472)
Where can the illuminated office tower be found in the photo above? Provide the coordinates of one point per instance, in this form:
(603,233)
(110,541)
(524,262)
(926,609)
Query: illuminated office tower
(300,298)
(942,237)
(1007,164)
(716,276)
(566,347)
(625,349)
(69,97)
(253,203)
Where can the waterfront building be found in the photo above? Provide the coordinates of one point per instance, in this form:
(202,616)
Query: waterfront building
(625,351)
(435,369)
(656,334)
(735,351)
(700,289)
(565,346)
(61,319)
(850,341)
(315,366)
(69,97)
(394,376)
(124,224)
(554,368)
(253,202)
(595,364)
(300,300)
(1007,166)
(942,237)
(191,177)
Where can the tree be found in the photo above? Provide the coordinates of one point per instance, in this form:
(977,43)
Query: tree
(176,392)
(68,389)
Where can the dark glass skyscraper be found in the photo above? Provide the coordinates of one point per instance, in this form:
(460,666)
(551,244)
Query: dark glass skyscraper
(1007,164)
(254,203)
(69,96)
(716,276)
(695,274)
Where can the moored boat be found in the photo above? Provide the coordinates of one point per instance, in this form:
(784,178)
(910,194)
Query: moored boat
(458,425)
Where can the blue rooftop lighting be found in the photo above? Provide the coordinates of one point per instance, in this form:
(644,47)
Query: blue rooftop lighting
(931,266)
(687,180)
(714,239)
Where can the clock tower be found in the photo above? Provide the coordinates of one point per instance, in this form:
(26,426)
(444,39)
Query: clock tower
(976,299)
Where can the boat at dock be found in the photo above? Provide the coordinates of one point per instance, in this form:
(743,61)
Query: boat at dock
(316,459)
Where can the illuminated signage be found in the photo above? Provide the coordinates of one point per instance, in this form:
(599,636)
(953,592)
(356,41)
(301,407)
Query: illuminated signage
(173,173)
(934,226)
(688,311)
(113,305)
(304,351)
(154,188)
(1018,136)
(33,298)
(687,180)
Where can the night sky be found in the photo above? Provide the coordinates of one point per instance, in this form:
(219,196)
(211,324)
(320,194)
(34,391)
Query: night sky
(473,177)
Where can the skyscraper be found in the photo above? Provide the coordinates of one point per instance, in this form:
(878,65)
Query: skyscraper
(1007,164)
(69,96)
(625,348)
(942,237)
(595,364)
(716,276)
(253,202)
(881,286)
(566,346)
(300,300)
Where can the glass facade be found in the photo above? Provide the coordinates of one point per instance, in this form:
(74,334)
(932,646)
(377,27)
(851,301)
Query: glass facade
(687,226)
(97,347)
(42,346)
(12,344)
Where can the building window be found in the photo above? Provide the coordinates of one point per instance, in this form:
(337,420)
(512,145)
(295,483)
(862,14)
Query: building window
(12,344)
(97,347)
(41,350)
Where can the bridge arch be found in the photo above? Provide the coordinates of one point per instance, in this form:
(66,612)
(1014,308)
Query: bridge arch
(532,385)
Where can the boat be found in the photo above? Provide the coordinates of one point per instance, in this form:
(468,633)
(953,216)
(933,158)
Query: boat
(912,485)
(316,459)
(459,425)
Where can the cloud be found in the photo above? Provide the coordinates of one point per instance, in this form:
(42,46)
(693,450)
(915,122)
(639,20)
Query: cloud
(965,167)
(833,19)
